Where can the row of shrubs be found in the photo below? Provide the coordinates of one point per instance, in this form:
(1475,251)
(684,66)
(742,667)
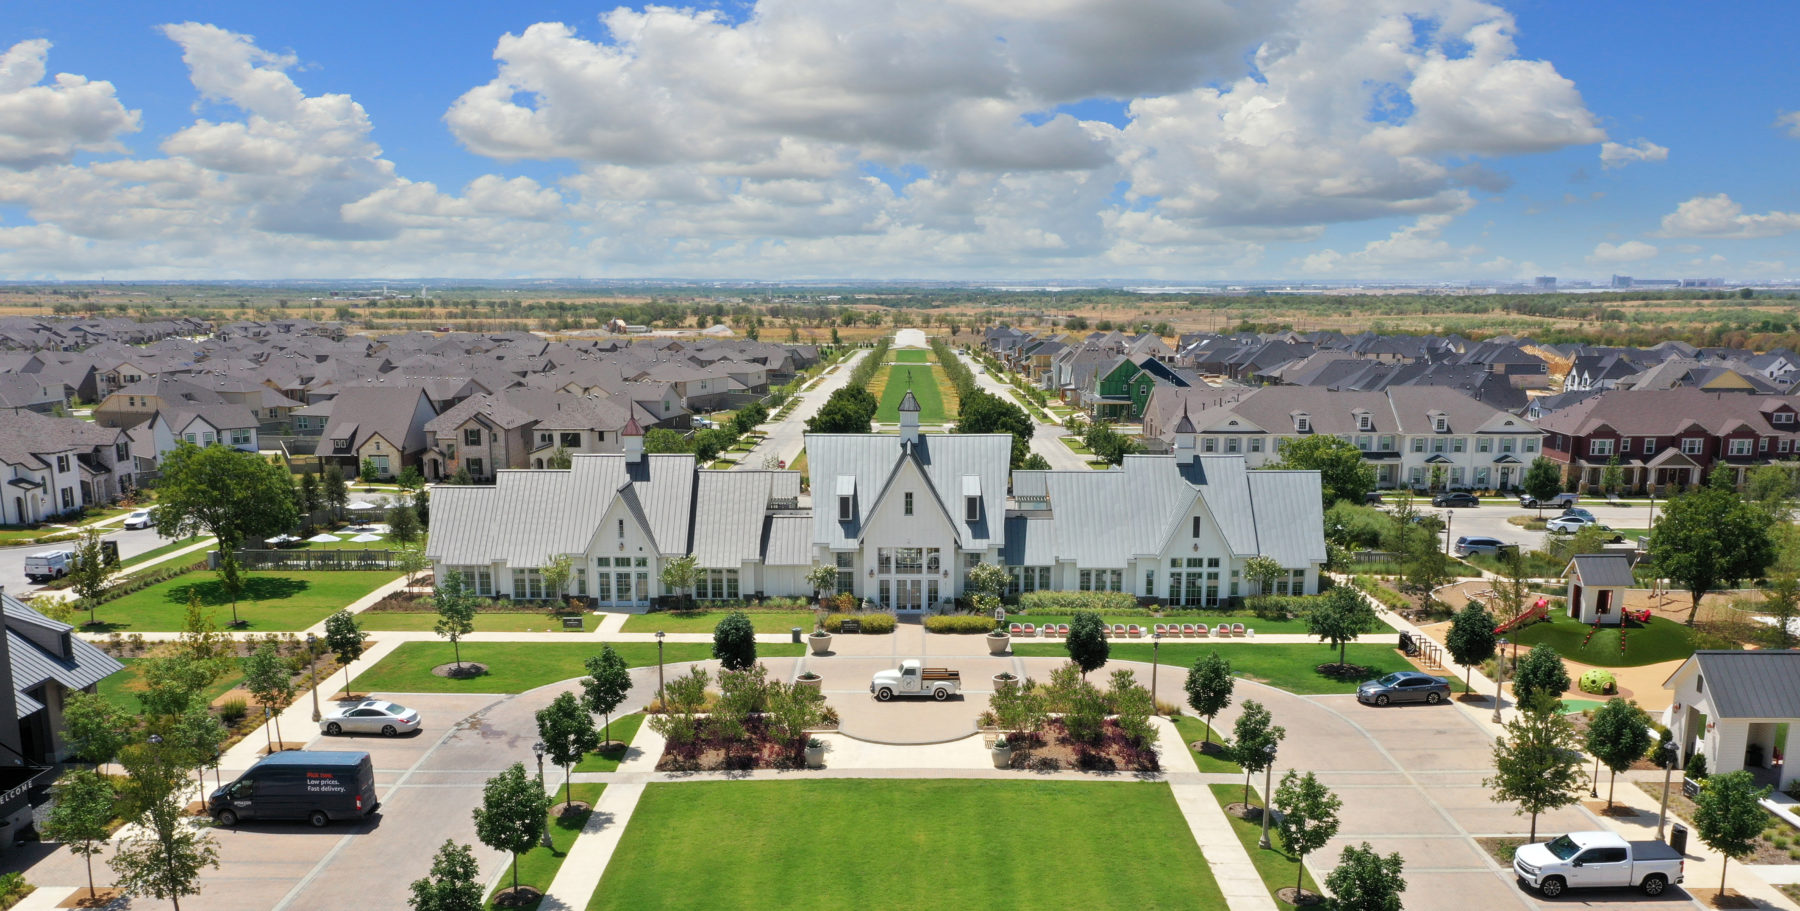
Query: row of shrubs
(871,623)
(1047,602)
(959,623)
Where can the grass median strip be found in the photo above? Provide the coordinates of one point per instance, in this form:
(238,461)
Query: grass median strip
(703,621)
(514,667)
(1195,730)
(1276,867)
(285,601)
(538,867)
(1092,845)
(623,729)
(1289,666)
(485,621)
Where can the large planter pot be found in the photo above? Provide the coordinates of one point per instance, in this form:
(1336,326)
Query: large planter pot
(820,642)
(815,755)
(998,643)
(1004,678)
(1002,756)
(814,684)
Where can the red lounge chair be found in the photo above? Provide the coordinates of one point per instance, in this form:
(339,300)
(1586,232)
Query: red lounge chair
(1187,630)
(1030,630)
(1062,629)
(1134,631)
(1237,629)
(1015,629)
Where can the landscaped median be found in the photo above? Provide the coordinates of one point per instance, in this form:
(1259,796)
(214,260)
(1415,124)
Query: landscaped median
(269,602)
(1277,868)
(514,667)
(871,843)
(538,867)
(1290,667)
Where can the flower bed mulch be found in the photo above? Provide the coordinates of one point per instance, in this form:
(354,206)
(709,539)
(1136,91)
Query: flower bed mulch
(1053,749)
(758,750)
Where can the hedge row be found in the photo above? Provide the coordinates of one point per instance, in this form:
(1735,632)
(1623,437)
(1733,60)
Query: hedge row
(871,623)
(959,623)
(1064,602)
(864,371)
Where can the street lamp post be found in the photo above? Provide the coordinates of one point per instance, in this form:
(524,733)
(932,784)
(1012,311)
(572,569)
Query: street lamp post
(1499,677)
(659,671)
(537,750)
(312,671)
(1668,764)
(1594,780)
(1268,808)
(1155,665)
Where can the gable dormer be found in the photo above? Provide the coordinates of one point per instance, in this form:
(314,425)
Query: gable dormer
(1440,422)
(1302,421)
(1365,419)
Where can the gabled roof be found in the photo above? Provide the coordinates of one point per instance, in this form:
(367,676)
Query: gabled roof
(1601,570)
(41,649)
(1762,683)
(869,460)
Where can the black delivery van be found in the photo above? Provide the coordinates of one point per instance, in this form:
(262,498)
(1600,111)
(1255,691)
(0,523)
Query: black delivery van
(315,786)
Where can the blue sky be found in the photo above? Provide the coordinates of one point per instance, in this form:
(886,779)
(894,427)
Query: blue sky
(1171,139)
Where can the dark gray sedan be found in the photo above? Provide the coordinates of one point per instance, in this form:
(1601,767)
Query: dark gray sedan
(1404,686)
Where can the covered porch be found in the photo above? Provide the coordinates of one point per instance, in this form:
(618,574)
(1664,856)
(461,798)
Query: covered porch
(1741,709)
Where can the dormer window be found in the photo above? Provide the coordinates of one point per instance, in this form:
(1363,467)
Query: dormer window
(1303,423)
(972,509)
(1440,424)
(843,509)
(1365,421)
(1783,417)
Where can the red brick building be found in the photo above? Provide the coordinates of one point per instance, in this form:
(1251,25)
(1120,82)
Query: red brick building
(1669,439)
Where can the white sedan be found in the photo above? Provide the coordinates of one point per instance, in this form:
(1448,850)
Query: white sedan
(1567,524)
(371,717)
(140,519)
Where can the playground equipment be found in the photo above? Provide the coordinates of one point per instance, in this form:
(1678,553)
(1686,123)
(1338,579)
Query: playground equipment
(1532,614)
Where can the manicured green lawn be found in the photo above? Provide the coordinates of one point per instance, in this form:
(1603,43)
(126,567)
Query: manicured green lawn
(270,602)
(485,622)
(623,729)
(1250,621)
(1661,640)
(537,867)
(1194,730)
(912,356)
(514,667)
(1276,867)
(170,547)
(1289,667)
(703,621)
(858,844)
(924,382)
(123,687)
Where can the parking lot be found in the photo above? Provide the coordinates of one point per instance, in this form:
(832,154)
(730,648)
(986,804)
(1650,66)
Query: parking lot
(1490,519)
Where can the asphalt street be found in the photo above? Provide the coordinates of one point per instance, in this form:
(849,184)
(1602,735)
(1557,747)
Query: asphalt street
(786,437)
(12,559)
(1490,519)
(1046,437)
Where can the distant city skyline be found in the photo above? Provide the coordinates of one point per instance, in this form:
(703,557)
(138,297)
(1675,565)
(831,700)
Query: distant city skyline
(1306,141)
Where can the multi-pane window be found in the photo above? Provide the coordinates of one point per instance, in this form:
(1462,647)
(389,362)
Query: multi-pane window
(479,579)
(717,585)
(571,440)
(528,585)
(1256,444)
(1102,580)
(1530,445)
(1387,443)
(240,437)
(476,468)
(846,567)
(1693,445)
(1600,447)
(1028,579)
(472,436)
(909,503)
(1483,444)
(1740,447)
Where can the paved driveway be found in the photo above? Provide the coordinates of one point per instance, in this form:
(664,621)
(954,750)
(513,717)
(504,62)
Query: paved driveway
(12,559)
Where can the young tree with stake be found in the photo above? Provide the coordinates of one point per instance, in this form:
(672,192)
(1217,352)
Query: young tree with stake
(1343,616)
(1364,880)
(568,734)
(88,577)
(1728,816)
(1253,741)
(84,806)
(1209,686)
(344,637)
(456,612)
(1309,818)
(1535,762)
(266,677)
(453,884)
(1471,639)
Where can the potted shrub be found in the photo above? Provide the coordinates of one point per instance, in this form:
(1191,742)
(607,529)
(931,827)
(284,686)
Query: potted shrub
(809,679)
(1005,677)
(998,642)
(815,753)
(1002,753)
(820,640)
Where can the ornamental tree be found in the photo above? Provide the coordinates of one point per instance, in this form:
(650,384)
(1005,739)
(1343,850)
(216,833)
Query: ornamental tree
(1254,740)
(456,612)
(266,677)
(511,817)
(1541,671)
(1618,735)
(344,637)
(1535,762)
(1209,686)
(734,641)
(84,807)
(1471,638)
(1340,618)
(1728,816)
(567,731)
(1710,537)
(1542,481)
(1364,880)
(1343,475)
(606,685)
(453,884)
(679,575)
(1309,818)
(1086,642)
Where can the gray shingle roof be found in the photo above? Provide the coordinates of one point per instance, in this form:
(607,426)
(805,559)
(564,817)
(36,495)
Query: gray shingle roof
(33,664)
(1752,684)
(1603,570)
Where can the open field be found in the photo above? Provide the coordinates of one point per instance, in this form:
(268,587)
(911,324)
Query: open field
(1288,667)
(929,386)
(485,621)
(1085,845)
(514,667)
(911,356)
(270,601)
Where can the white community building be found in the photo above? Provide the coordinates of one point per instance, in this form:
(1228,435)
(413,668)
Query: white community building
(902,517)
(1731,704)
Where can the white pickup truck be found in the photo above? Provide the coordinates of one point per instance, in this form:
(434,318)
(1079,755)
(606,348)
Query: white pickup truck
(1598,860)
(49,565)
(910,679)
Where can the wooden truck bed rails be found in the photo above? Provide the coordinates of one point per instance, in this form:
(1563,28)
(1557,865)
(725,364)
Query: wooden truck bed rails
(939,673)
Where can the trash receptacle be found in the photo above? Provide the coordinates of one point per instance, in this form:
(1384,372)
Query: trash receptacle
(1678,838)
(1406,643)
(795,632)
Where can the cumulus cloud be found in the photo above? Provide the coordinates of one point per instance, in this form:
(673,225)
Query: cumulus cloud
(1419,245)
(1618,155)
(48,124)
(818,138)
(1628,252)
(1789,121)
(1721,216)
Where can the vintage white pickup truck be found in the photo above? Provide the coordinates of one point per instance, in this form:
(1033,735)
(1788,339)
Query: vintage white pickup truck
(910,679)
(1598,860)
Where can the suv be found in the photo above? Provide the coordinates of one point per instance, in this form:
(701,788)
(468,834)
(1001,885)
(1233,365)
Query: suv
(1477,544)
(1564,500)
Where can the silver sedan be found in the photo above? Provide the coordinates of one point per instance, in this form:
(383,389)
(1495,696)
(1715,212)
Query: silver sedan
(371,717)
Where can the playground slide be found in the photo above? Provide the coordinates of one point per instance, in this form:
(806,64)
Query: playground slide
(1532,614)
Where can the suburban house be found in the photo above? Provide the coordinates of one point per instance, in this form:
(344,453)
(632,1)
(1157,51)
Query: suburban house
(51,466)
(902,518)
(382,426)
(1669,439)
(46,661)
(1415,436)
(1729,705)
(25,392)
(203,424)
(482,435)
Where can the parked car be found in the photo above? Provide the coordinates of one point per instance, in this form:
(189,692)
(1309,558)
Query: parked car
(1578,513)
(48,565)
(372,717)
(1563,500)
(1404,686)
(1568,525)
(911,679)
(1477,544)
(1372,498)
(143,518)
(315,786)
(1593,860)
(1460,498)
